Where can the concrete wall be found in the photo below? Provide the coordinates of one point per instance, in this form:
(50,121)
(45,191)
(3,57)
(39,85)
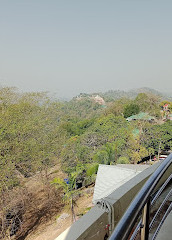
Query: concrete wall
(93,225)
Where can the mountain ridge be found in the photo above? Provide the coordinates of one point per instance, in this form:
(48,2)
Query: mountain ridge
(112,95)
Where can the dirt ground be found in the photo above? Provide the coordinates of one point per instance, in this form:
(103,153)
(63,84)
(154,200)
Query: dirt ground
(53,228)
(41,209)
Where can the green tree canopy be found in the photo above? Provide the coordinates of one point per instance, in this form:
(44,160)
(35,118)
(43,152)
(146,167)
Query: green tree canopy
(131,109)
(148,103)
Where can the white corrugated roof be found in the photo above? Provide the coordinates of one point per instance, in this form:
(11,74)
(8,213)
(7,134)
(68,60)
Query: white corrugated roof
(111,177)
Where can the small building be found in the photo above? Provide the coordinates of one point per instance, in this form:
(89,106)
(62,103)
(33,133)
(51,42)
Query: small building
(165,107)
(141,116)
(98,99)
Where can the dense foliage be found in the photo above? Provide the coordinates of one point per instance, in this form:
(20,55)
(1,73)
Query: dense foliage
(30,137)
(37,132)
(158,136)
(131,109)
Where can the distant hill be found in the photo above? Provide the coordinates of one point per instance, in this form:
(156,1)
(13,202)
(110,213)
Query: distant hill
(168,96)
(145,90)
(112,95)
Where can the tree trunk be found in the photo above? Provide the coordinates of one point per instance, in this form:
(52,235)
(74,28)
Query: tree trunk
(159,149)
(72,209)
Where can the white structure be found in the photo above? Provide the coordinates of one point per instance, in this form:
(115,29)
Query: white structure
(111,177)
(98,99)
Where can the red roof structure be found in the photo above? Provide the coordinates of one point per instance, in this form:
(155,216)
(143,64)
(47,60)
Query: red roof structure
(166,105)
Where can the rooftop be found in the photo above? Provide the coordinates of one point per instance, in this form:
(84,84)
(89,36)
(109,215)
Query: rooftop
(141,116)
(111,177)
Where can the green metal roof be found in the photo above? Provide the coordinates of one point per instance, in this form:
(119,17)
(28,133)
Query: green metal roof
(141,116)
(136,132)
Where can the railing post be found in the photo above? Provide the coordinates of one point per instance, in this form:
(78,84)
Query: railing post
(145,221)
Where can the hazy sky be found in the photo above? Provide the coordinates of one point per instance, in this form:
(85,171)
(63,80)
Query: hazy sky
(73,46)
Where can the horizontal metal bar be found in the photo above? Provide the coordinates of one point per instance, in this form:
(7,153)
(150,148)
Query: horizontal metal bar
(134,235)
(162,221)
(161,189)
(159,209)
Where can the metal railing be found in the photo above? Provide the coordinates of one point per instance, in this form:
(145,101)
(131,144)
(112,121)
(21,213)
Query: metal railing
(141,204)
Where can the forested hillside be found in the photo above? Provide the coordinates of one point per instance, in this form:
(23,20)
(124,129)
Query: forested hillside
(38,133)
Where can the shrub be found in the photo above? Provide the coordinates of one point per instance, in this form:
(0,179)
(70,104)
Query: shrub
(123,160)
(92,169)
